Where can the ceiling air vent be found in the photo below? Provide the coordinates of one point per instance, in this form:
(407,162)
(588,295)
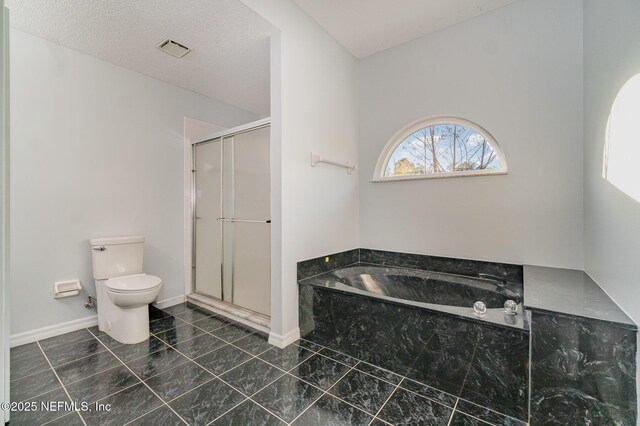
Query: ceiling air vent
(173,48)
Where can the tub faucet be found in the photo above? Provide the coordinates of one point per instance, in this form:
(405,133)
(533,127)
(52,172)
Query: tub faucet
(501,281)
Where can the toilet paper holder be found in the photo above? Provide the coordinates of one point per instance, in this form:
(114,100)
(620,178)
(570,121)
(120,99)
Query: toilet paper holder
(66,288)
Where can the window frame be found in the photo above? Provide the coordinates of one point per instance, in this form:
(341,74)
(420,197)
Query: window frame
(413,127)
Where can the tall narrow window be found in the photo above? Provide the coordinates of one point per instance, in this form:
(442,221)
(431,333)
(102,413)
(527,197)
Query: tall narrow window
(440,147)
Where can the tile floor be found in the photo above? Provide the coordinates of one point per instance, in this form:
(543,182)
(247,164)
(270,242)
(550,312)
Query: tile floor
(199,368)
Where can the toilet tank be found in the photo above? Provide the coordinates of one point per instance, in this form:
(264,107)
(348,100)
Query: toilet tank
(116,256)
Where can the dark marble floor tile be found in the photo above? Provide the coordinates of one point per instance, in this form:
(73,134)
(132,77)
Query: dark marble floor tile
(176,309)
(164,324)
(287,397)
(232,332)
(67,339)
(26,360)
(363,391)
(194,314)
(184,332)
(125,406)
(103,384)
(380,373)
(33,385)
(130,352)
(63,353)
(40,415)
(378,422)
(486,414)
(252,376)
(407,408)
(429,392)
(178,381)
(320,371)
(206,403)
(212,323)
(254,343)
(340,357)
(160,416)
(109,341)
(223,359)
(71,419)
(309,345)
(248,413)
(96,331)
(461,419)
(286,358)
(329,411)
(156,314)
(199,345)
(84,367)
(156,363)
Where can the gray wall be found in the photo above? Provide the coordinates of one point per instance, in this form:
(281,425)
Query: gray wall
(517,72)
(97,151)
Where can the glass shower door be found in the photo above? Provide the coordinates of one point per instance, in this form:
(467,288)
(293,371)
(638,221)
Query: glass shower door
(232,235)
(208,208)
(249,240)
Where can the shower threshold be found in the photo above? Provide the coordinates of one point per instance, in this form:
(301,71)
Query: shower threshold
(252,319)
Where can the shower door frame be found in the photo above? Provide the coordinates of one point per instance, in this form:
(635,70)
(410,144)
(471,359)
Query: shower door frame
(191,282)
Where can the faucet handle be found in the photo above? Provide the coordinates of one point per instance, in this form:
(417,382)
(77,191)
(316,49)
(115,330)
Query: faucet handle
(479,309)
(510,307)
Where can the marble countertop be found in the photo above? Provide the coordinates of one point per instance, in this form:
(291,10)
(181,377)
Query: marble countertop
(570,292)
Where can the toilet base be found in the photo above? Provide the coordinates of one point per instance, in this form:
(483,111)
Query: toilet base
(129,326)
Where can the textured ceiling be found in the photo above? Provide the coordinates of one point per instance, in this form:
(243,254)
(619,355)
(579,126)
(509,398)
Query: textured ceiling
(365,27)
(229,60)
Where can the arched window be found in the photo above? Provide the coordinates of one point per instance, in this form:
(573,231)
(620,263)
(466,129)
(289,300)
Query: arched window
(440,147)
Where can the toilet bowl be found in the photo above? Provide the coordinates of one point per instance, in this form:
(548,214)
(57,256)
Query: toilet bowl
(123,291)
(133,291)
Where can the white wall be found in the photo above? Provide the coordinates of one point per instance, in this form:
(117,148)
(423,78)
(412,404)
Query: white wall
(313,108)
(97,150)
(516,71)
(612,218)
(4,208)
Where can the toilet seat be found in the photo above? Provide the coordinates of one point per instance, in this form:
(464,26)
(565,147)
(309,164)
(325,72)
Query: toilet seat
(133,283)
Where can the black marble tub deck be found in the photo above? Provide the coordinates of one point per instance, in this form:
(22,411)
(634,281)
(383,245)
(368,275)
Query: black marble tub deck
(583,346)
(198,368)
(570,292)
(583,351)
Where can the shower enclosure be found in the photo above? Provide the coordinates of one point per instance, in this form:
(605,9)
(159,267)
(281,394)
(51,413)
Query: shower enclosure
(231,219)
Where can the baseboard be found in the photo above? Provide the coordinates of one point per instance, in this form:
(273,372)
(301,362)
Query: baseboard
(161,304)
(52,330)
(66,327)
(283,341)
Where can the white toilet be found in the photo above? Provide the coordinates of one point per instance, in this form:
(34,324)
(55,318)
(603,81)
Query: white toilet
(122,290)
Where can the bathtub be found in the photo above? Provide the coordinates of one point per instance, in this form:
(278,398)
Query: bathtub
(436,291)
(413,315)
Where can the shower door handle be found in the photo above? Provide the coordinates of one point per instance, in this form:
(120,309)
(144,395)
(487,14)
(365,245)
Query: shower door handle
(224,219)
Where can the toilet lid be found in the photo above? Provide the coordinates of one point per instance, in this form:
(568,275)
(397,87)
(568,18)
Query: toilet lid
(138,282)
